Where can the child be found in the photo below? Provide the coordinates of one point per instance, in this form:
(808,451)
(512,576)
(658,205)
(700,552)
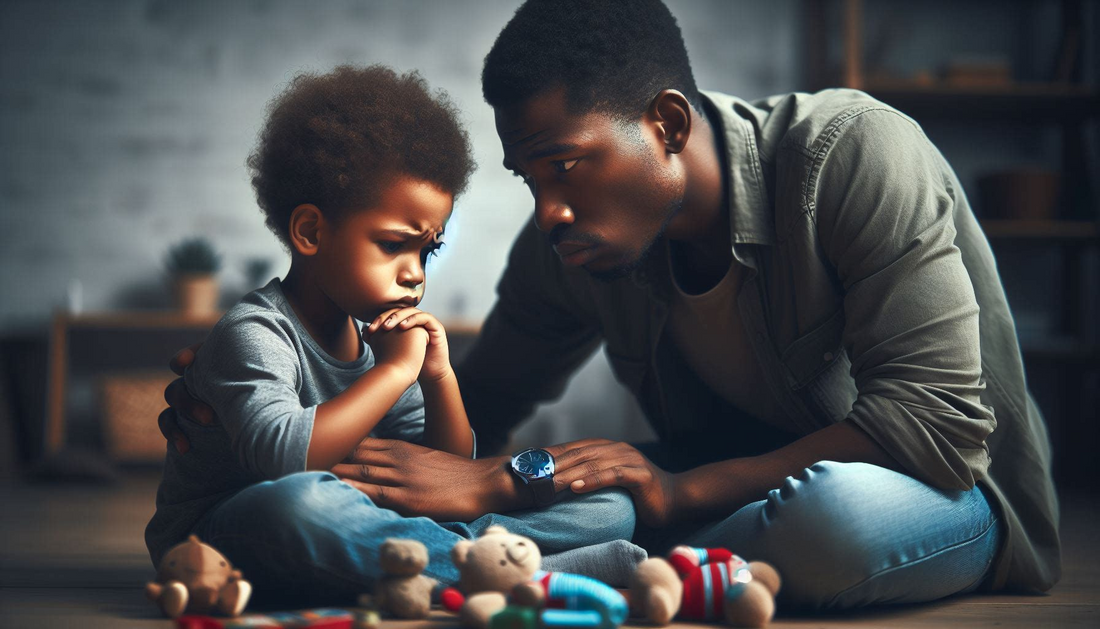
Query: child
(356,172)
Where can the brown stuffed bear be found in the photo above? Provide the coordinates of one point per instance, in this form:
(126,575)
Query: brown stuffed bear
(661,590)
(491,567)
(403,592)
(194,577)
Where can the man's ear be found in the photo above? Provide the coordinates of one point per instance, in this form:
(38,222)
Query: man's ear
(305,228)
(671,113)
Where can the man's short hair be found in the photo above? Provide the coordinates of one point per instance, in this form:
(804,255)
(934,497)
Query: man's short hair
(336,139)
(612,56)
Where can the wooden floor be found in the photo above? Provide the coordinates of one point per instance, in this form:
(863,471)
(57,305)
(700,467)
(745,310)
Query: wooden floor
(74,556)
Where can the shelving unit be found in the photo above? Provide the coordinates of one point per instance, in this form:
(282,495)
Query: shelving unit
(1067,360)
(61,331)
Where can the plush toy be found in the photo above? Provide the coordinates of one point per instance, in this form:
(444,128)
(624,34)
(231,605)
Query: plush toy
(499,565)
(705,584)
(403,592)
(194,577)
(495,562)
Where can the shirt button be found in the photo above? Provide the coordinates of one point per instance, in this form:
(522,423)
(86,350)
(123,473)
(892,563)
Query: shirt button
(828,356)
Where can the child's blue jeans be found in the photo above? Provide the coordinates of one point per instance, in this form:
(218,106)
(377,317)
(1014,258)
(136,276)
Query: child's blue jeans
(842,535)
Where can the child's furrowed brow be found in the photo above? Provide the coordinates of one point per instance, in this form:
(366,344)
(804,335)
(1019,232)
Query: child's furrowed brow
(428,234)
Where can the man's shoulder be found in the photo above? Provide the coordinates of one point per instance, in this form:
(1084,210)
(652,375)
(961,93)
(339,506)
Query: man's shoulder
(803,122)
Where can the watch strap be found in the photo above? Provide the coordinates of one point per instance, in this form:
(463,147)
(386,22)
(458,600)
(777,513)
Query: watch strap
(543,488)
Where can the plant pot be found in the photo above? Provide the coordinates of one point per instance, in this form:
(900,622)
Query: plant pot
(196,295)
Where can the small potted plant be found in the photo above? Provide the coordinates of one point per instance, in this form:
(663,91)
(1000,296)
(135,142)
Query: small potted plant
(193,264)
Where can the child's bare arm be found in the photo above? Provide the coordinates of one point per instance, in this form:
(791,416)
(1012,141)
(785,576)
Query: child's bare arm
(345,420)
(446,426)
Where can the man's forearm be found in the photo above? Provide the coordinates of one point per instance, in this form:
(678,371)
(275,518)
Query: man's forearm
(719,489)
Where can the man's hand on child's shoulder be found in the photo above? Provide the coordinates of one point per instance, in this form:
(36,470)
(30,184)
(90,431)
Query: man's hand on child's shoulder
(180,402)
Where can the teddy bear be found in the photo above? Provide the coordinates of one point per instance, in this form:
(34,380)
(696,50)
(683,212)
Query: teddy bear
(500,567)
(196,578)
(705,584)
(403,592)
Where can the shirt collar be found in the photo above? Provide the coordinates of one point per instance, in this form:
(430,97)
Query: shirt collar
(737,124)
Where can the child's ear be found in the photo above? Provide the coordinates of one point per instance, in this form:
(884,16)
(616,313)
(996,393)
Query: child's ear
(305,228)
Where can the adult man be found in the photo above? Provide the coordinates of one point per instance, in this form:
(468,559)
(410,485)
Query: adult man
(798,295)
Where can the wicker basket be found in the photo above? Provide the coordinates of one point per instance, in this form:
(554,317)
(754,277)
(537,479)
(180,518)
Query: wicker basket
(130,404)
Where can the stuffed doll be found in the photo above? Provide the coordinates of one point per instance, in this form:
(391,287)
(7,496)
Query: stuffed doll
(499,566)
(403,592)
(705,584)
(194,577)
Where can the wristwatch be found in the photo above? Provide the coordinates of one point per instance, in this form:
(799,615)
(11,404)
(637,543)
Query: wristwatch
(536,467)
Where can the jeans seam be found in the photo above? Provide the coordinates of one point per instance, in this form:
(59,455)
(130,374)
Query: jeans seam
(966,542)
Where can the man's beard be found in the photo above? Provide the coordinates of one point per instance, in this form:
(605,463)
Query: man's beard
(627,268)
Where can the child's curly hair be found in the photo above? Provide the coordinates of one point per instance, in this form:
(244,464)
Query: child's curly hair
(335,139)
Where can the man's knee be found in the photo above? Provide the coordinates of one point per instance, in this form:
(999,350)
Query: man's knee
(825,538)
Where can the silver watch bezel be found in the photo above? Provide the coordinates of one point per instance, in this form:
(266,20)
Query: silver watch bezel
(546,471)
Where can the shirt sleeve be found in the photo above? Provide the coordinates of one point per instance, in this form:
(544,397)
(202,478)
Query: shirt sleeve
(535,337)
(885,218)
(249,373)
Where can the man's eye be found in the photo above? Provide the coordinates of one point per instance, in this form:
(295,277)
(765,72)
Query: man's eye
(525,178)
(390,246)
(564,165)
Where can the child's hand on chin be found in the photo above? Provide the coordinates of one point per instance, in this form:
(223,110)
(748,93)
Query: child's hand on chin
(437,359)
(404,349)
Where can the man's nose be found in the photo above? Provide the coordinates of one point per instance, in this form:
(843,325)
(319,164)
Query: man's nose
(551,212)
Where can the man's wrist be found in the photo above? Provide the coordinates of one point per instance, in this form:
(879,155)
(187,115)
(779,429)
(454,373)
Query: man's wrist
(509,492)
(704,492)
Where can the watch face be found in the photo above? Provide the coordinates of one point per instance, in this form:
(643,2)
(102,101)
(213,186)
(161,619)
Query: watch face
(533,464)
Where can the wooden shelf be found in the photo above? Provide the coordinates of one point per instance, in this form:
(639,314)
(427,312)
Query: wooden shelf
(1042,101)
(64,322)
(140,319)
(1010,229)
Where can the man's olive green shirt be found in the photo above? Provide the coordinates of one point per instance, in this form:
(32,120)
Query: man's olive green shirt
(870,295)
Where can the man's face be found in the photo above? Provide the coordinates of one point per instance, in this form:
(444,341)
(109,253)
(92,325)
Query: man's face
(604,189)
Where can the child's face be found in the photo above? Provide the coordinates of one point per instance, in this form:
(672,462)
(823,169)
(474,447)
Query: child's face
(373,259)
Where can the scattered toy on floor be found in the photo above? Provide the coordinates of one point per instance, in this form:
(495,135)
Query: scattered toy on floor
(499,566)
(705,584)
(403,592)
(196,578)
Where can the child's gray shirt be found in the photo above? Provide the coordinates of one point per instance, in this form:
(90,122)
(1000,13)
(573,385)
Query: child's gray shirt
(264,376)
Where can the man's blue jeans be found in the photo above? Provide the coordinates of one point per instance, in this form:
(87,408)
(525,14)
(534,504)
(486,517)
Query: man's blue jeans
(842,535)
(847,535)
